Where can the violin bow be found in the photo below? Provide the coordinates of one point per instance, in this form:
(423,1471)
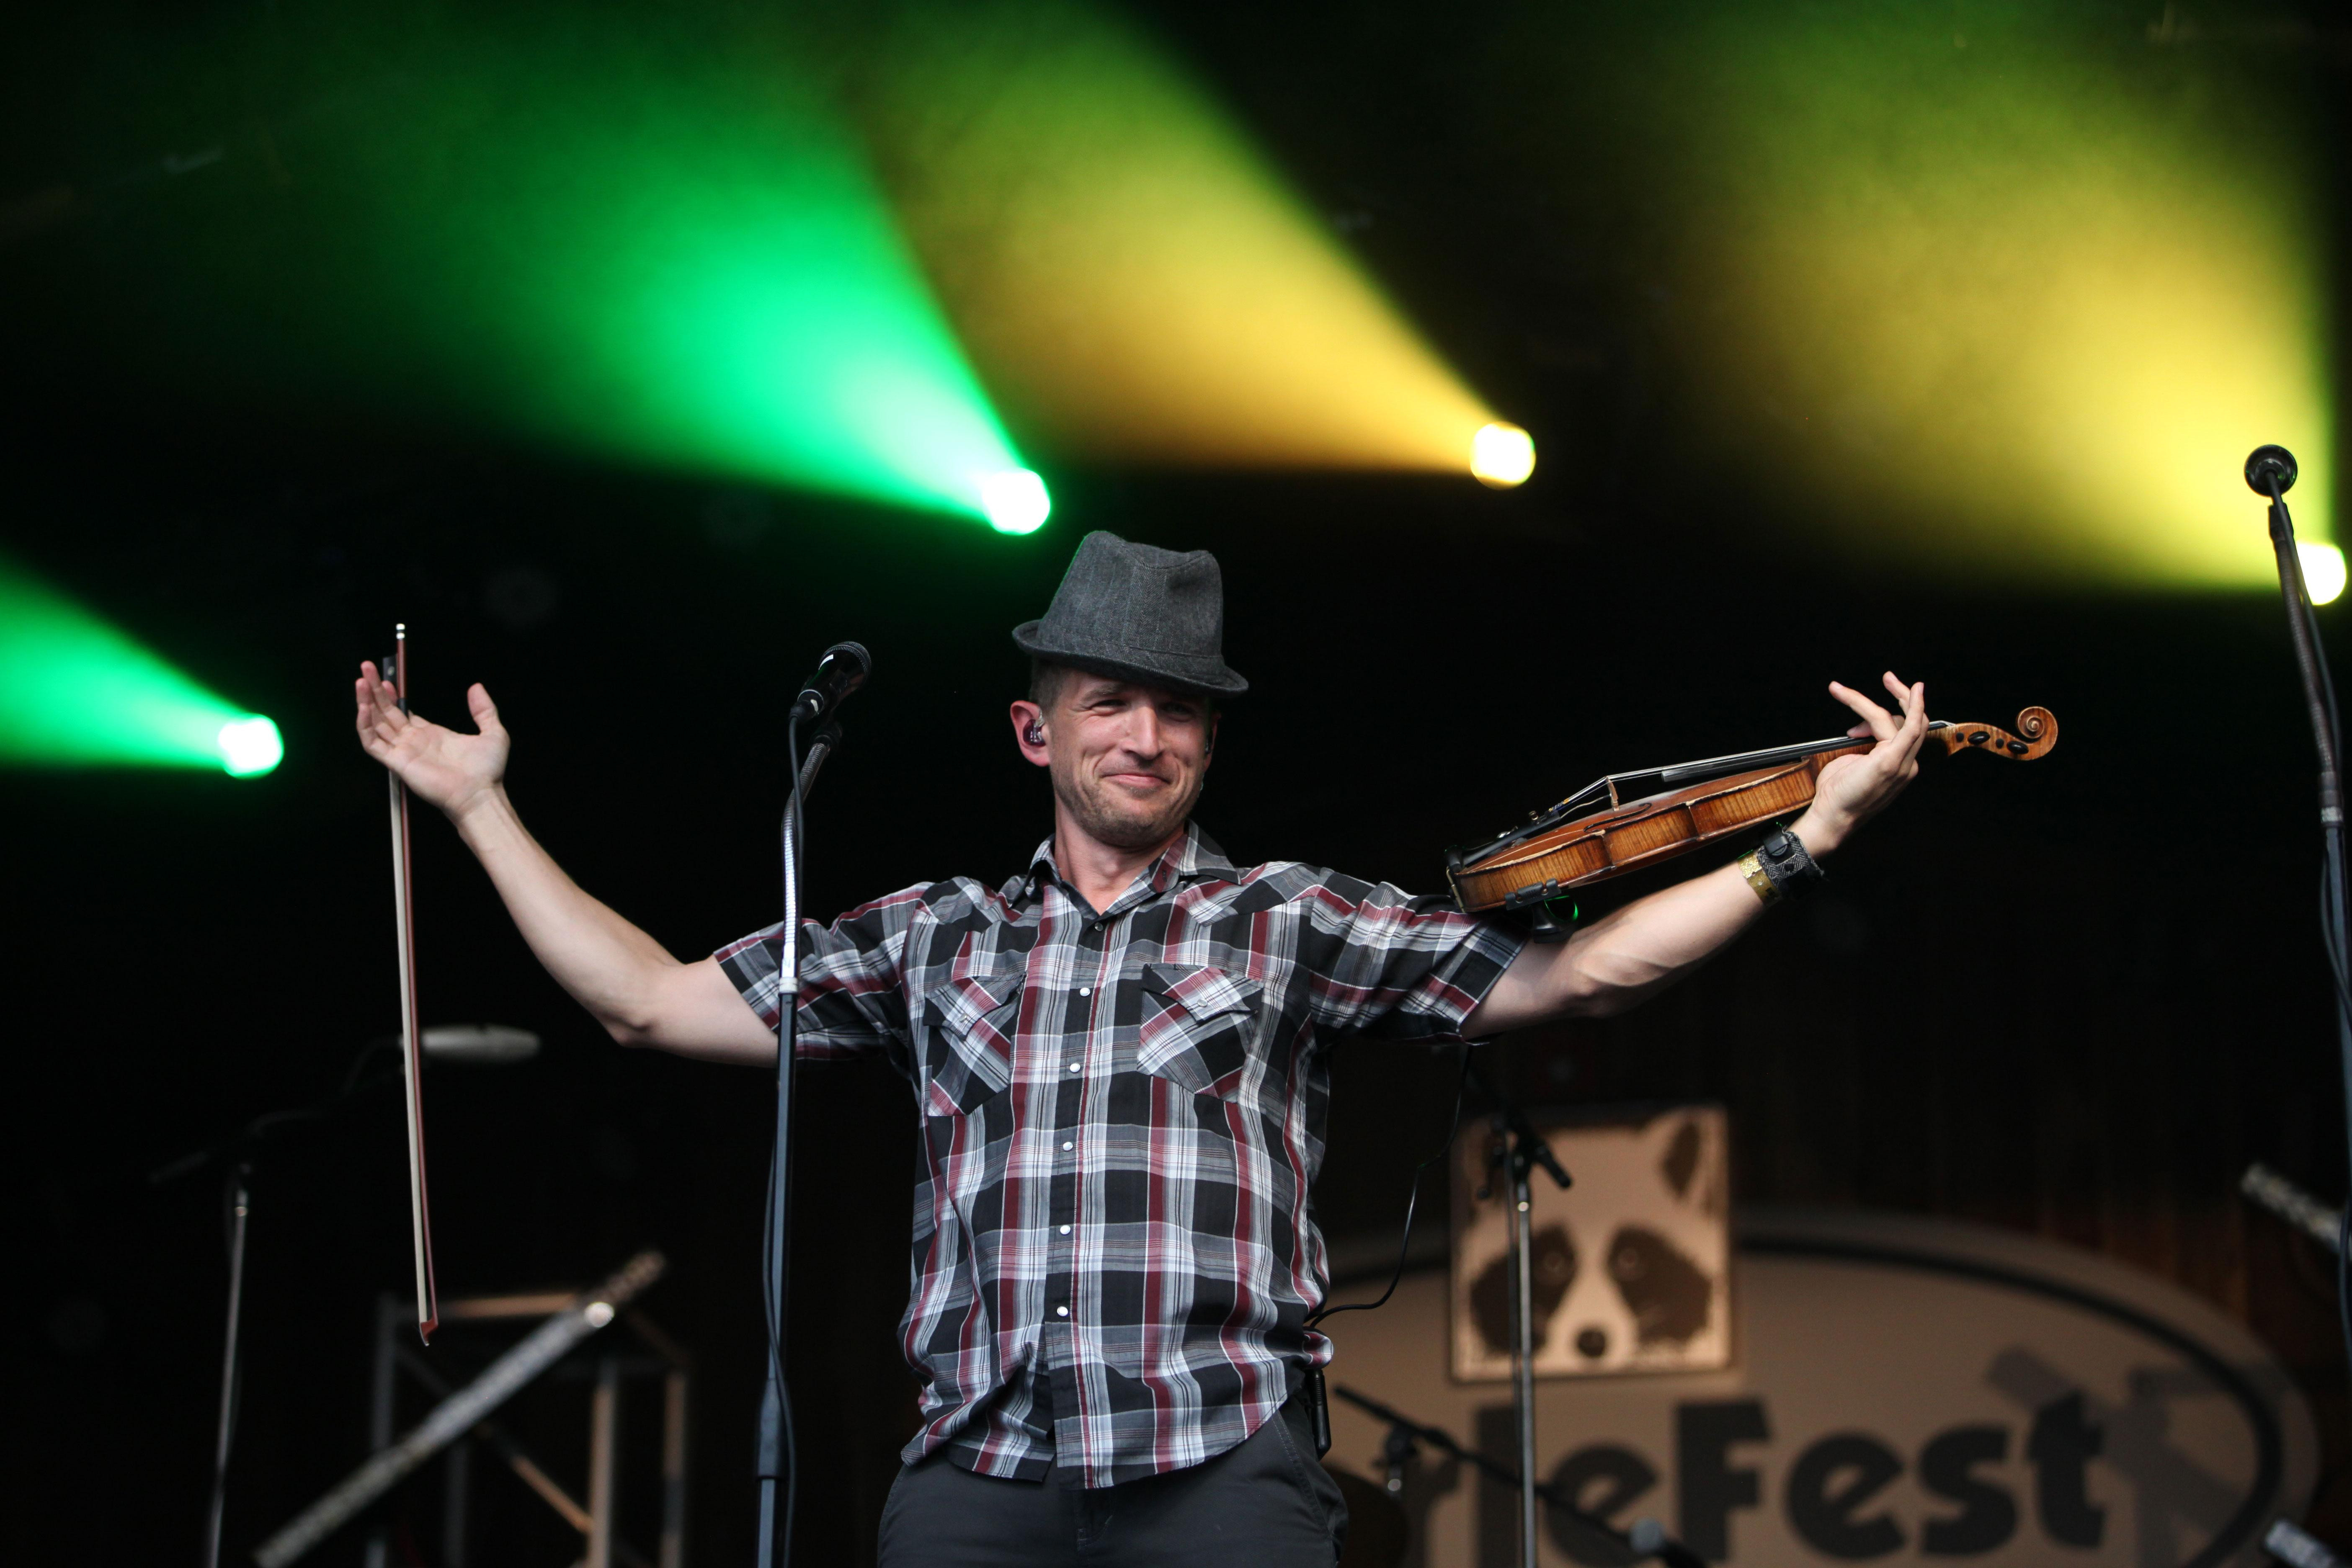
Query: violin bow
(412,1044)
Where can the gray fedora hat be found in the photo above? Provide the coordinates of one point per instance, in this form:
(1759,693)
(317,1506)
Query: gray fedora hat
(1138,613)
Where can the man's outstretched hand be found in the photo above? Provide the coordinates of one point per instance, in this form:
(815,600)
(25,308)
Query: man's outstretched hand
(451,771)
(1852,790)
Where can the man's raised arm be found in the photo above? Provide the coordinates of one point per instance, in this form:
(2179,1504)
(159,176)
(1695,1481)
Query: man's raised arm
(640,994)
(1624,957)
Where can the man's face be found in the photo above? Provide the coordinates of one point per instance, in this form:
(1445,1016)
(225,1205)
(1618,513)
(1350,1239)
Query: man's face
(1128,760)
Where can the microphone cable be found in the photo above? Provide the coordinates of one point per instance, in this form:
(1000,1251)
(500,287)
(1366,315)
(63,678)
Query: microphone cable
(1412,1201)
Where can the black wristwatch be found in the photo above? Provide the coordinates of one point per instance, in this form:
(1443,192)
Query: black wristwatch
(1779,868)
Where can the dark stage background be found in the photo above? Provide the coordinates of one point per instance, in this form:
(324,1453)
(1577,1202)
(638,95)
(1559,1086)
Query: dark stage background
(2073,998)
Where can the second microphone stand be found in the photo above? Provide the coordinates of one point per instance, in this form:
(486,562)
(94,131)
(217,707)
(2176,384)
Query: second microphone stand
(1519,1150)
(2271,473)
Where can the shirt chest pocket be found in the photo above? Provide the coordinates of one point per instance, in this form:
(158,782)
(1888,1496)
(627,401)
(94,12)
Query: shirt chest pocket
(1198,1027)
(969,1031)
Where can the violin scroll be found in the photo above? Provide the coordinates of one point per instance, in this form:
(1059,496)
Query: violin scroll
(2037,731)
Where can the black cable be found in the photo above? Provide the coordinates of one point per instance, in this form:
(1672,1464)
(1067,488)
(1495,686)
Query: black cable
(1412,1201)
(2344,1274)
(2332,920)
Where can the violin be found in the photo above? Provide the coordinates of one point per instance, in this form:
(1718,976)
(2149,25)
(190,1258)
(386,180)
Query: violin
(1628,821)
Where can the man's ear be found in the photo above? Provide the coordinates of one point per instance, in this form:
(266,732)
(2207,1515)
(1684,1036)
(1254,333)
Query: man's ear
(1029,733)
(1210,750)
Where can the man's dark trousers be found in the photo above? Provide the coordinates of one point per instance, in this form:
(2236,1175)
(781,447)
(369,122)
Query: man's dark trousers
(1265,1504)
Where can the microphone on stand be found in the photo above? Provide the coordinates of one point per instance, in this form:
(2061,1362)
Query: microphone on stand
(2270,472)
(839,674)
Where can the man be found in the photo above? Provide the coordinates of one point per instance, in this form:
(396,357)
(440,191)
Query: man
(1120,1056)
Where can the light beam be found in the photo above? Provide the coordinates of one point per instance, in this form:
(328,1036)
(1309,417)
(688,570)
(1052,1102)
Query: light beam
(643,238)
(1133,277)
(77,692)
(2005,298)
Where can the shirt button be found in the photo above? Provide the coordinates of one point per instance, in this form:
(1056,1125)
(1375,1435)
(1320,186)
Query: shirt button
(1085,990)
(1065,1230)
(1061,1311)
(1069,1145)
(1074,1067)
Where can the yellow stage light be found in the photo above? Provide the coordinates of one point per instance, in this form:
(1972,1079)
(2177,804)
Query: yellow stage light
(1132,279)
(2323,570)
(1502,455)
(2007,303)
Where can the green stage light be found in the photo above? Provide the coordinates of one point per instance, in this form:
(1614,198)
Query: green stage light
(1016,501)
(250,746)
(632,237)
(76,692)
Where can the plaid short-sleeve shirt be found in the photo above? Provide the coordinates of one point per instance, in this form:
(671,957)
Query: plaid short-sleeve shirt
(1123,1112)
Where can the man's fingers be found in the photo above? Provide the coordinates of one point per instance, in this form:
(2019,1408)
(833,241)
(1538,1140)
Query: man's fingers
(1915,724)
(1857,700)
(1882,723)
(373,707)
(484,711)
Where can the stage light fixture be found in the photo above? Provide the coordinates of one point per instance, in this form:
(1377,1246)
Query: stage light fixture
(250,746)
(1129,270)
(1502,455)
(2323,570)
(77,692)
(1016,501)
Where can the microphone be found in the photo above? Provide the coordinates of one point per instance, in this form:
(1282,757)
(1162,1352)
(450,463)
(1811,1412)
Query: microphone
(2267,467)
(841,670)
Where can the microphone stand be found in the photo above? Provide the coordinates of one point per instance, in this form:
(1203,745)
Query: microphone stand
(1519,1149)
(2271,473)
(778,1460)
